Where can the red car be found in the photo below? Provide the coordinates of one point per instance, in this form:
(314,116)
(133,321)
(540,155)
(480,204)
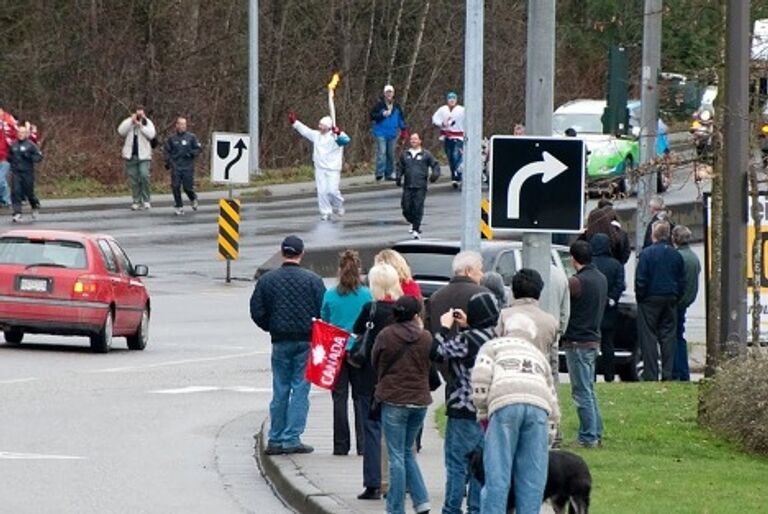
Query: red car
(71,283)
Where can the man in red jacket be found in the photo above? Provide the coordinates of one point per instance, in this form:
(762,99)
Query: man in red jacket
(8,127)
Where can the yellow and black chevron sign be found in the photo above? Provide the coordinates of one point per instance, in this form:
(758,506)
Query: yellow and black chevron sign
(229,229)
(485,220)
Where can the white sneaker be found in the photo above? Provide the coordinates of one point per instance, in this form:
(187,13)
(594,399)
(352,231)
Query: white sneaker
(416,234)
(135,206)
(16,218)
(410,229)
(179,211)
(325,217)
(195,204)
(35,213)
(147,206)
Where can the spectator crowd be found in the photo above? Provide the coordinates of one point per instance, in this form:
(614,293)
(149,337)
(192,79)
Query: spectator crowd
(497,357)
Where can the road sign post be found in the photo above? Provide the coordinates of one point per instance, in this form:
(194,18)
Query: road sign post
(230,164)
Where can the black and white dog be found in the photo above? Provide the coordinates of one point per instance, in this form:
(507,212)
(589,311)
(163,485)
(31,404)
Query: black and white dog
(568,481)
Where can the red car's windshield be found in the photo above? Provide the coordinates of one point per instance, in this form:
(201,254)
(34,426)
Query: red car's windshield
(42,252)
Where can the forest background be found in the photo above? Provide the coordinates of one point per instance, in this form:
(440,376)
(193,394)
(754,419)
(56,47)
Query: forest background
(77,67)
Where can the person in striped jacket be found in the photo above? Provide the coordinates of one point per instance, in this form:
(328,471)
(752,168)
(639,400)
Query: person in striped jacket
(516,400)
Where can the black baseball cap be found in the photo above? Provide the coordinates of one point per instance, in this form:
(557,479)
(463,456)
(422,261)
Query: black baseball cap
(292,246)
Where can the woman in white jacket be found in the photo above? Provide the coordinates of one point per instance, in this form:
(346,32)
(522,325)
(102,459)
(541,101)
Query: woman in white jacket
(138,131)
(327,154)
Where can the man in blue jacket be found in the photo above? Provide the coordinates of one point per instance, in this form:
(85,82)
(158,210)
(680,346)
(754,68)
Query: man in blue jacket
(283,303)
(388,119)
(659,285)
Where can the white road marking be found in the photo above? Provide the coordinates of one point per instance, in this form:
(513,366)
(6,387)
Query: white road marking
(205,389)
(18,380)
(179,362)
(36,456)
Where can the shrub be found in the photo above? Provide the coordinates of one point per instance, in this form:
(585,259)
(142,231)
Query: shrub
(734,403)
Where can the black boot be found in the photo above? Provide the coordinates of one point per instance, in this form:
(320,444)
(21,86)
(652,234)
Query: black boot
(370,493)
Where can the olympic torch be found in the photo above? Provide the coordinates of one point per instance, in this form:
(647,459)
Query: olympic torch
(331,89)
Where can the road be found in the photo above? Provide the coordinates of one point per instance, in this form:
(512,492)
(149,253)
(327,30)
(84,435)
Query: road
(157,431)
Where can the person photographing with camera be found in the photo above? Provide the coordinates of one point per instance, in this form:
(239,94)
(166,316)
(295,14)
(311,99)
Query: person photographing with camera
(463,434)
(139,133)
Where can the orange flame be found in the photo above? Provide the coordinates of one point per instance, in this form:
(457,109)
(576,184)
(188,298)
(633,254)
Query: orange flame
(334,81)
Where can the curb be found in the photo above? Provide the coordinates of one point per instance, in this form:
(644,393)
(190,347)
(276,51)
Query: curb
(291,484)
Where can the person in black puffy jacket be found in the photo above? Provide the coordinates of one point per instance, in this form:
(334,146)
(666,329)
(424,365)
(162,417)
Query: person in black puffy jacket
(283,303)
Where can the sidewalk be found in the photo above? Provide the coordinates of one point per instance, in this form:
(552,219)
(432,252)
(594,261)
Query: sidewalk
(321,483)
(261,193)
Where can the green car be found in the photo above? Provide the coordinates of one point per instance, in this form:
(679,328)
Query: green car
(609,157)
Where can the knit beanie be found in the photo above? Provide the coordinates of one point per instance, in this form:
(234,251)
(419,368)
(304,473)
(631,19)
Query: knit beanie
(482,311)
(326,121)
(406,308)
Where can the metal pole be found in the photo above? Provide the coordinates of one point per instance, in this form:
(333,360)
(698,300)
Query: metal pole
(253,84)
(473,102)
(649,114)
(733,307)
(229,261)
(539,105)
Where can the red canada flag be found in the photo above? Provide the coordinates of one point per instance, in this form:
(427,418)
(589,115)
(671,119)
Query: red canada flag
(326,354)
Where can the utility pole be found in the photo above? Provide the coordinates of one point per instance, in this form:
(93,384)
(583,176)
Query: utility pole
(733,307)
(473,103)
(539,106)
(649,114)
(253,85)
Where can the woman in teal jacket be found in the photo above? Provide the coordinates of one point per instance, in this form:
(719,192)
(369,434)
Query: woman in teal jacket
(341,307)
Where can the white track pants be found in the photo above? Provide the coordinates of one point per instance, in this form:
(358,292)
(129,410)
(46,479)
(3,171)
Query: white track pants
(329,197)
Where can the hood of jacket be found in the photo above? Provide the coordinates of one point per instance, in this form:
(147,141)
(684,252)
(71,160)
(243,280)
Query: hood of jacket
(408,331)
(601,244)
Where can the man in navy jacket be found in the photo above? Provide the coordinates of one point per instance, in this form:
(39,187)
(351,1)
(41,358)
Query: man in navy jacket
(659,285)
(283,303)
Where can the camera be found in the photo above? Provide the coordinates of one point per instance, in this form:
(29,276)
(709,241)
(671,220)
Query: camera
(456,314)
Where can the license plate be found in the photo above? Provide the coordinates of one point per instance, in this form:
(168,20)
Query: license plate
(33,285)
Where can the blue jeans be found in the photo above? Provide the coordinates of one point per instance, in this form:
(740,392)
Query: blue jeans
(461,437)
(5,191)
(454,151)
(371,446)
(680,369)
(400,426)
(581,369)
(290,393)
(385,157)
(516,445)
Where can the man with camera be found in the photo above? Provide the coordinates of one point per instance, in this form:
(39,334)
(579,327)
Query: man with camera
(139,133)
(181,149)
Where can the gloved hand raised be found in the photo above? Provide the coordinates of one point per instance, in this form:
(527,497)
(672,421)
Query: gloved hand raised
(404,135)
(291,117)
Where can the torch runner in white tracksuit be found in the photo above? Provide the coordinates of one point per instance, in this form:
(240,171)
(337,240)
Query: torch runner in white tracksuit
(327,153)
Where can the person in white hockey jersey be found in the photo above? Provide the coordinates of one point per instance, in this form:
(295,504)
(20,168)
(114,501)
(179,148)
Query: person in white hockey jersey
(450,120)
(327,155)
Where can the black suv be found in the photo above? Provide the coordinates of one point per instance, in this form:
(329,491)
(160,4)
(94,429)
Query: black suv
(430,262)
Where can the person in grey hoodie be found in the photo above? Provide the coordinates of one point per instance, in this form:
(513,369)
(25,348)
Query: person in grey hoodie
(614,274)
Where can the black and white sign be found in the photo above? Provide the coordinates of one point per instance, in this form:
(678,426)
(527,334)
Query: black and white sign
(537,184)
(230,158)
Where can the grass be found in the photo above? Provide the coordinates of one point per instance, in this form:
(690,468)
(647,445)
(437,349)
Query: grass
(657,460)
